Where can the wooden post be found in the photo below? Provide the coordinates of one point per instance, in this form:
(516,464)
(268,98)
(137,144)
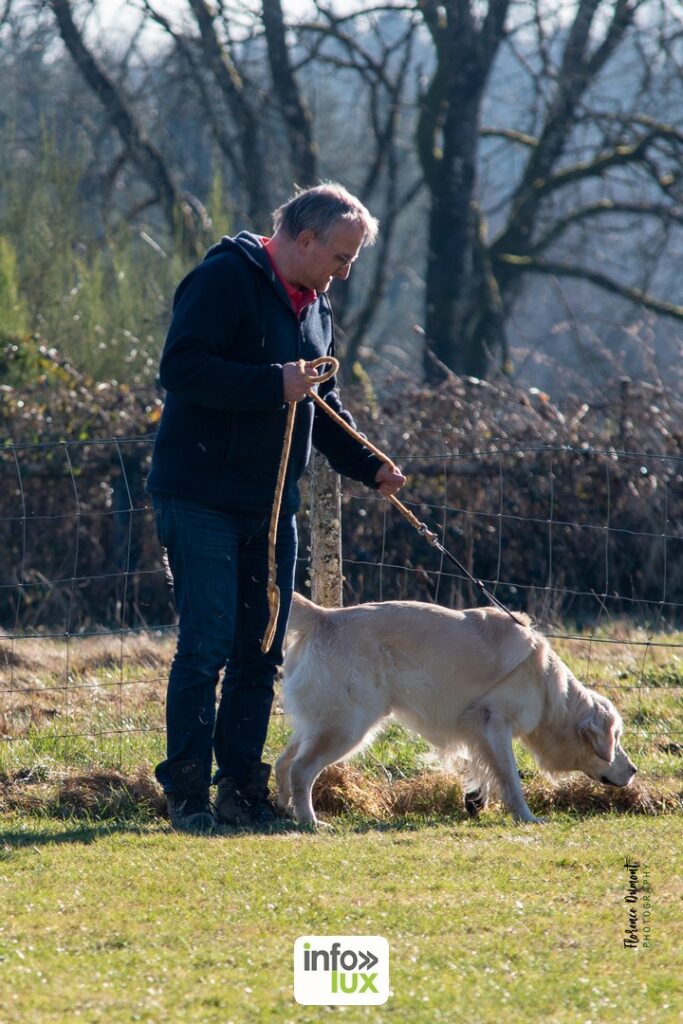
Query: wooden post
(326,557)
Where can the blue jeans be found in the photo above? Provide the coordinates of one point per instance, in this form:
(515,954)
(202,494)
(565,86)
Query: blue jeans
(219,564)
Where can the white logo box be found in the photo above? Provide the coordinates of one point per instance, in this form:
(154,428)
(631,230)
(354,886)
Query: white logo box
(341,970)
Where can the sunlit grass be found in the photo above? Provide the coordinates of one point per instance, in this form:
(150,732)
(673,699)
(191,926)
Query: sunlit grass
(486,921)
(108,915)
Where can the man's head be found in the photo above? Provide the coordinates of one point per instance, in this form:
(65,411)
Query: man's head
(319,233)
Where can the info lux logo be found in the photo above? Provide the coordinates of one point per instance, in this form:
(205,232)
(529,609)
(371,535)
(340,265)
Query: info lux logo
(341,970)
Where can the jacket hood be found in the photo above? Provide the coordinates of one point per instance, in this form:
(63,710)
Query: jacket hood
(247,244)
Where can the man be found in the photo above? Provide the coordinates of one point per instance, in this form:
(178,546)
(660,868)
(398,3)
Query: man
(246,322)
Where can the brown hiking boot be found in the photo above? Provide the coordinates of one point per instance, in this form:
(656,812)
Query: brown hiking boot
(247,804)
(188,805)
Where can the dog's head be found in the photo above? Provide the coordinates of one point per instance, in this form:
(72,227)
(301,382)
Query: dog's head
(581,732)
(600,754)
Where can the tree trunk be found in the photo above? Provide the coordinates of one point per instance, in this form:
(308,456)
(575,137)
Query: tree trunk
(451,236)
(296,115)
(447,142)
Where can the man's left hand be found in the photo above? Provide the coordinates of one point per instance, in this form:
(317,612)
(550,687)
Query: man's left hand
(390,480)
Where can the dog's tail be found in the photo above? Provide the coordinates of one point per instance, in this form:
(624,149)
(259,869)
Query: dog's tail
(305,616)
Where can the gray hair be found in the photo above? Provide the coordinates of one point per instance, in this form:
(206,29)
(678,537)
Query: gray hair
(318,208)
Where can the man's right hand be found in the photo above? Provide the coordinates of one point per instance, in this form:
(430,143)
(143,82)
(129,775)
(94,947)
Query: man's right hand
(295,380)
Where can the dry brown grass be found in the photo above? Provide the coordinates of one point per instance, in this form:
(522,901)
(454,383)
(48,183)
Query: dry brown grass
(343,788)
(92,794)
(578,793)
(80,680)
(44,662)
(340,789)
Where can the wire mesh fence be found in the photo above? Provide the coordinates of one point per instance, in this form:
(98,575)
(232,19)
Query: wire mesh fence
(587,542)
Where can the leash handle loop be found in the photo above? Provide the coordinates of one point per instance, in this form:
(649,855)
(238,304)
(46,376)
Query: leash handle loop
(322,361)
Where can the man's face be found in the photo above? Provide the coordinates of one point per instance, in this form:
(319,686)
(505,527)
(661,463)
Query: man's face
(320,261)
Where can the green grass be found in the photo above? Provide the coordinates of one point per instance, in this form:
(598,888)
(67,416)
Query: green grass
(486,921)
(109,916)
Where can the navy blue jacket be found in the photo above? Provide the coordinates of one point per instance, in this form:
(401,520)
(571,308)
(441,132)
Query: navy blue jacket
(222,427)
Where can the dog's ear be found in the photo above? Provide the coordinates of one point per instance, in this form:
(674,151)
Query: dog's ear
(599,728)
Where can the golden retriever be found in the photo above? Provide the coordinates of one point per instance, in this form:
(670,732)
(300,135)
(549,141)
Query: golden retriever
(468,681)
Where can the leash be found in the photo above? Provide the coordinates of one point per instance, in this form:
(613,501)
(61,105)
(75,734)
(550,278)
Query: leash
(273,589)
(422,528)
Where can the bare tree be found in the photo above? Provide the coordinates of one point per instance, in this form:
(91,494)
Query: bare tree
(581,164)
(537,131)
(137,146)
(226,59)
(236,90)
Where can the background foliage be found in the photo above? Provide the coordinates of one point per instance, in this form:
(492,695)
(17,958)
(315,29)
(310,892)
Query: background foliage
(523,157)
(133,136)
(518,488)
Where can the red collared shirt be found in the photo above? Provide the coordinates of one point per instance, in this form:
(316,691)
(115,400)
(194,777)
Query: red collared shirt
(299,297)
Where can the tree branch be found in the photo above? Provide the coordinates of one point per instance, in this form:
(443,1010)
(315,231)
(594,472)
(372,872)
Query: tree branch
(493,29)
(576,71)
(617,157)
(527,264)
(5,16)
(510,134)
(662,212)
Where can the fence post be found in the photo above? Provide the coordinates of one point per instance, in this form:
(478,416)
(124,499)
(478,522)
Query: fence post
(326,563)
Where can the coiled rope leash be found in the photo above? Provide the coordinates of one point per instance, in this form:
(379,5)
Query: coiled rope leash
(422,528)
(273,589)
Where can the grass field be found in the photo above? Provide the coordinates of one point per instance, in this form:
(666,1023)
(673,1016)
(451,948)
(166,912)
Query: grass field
(109,916)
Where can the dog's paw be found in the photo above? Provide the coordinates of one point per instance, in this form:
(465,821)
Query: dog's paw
(532,820)
(475,802)
(314,825)
(523,816)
